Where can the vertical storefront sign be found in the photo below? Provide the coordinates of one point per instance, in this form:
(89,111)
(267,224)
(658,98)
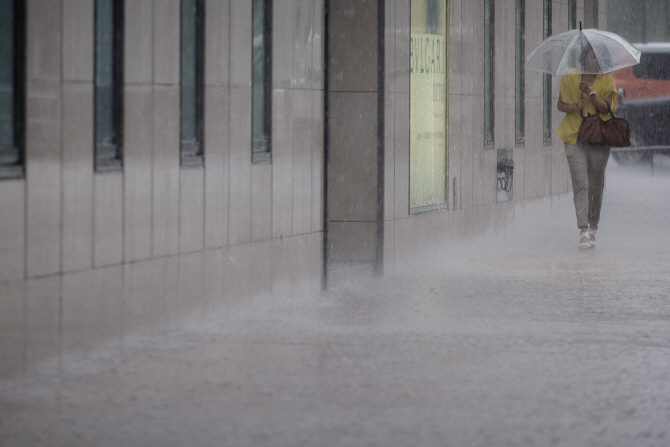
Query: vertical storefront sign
(428,103)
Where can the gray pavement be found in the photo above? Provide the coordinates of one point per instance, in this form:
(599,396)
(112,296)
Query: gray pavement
(514,340)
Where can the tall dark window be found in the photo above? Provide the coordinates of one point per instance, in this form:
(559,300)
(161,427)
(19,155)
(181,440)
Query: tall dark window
(489,72)
(108,85)
(520,74)
(572,14)
(12,91)
(261,108)
(192,82)
(546,93)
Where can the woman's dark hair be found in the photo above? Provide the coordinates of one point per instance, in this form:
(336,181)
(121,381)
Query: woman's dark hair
(586,49)
(605,58)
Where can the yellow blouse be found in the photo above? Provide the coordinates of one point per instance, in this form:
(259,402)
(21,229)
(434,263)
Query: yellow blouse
(570,93)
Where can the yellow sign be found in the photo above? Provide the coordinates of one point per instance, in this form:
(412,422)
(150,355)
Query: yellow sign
(428,120)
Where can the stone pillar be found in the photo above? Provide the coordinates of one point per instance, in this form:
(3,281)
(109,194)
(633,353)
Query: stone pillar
(353,200)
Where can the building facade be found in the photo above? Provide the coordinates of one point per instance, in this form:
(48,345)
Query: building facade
(164,159)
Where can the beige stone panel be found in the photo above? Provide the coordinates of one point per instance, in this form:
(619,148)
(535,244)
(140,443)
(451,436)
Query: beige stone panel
(284,44)
(420,233)
(165,171)
(472,227)
(138,23)
(215,283)
(401,155)
(12,229)
(353,157)
(189,301)
(389,263)
(487,224)
(43,177)
(91,312)
(471,138)
(455,70)
(166,283)
(559,169)
(313,270)
(78,19)
(389,155)
(318,43)
(297,265)
(509,131)
(137,156)
(490,177)
(43,39)
(43,324)
(302,161)
(402,14)
(239,211)
(534,20)
(285,261)
(503,217)
(78,145)
(390,30)
(353,241)
(414,237)
(240,43)
(108,219)
(217,42)
(144,307)
(261,202)
(479,176)
(249,267)
(353,52)
(192,209)
(454,142)
(166,44)
(260,269)
(519,186)
(282,163)
(472,20)
(442,227)
(318,177)
(303,41)
(508,57)
(217,133)
(12,329)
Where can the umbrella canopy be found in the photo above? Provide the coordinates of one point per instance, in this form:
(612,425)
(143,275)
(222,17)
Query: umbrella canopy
(559,54)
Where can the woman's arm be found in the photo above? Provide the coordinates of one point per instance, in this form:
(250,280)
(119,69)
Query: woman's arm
(603,105)
(569,108)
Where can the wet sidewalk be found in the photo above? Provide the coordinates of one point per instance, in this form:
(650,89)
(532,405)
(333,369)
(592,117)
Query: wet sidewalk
(517,339)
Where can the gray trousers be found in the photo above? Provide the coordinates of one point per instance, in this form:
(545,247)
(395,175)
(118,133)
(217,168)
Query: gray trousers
(587,170)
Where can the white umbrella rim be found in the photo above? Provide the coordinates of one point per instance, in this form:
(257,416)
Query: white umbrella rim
(635,53)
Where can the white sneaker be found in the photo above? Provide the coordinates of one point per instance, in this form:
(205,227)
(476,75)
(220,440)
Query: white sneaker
(592,237)
(585,241)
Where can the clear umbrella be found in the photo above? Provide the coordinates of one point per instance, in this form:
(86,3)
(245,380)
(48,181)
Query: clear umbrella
(561,53)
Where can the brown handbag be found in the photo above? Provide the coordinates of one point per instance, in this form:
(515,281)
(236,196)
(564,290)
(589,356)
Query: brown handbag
(614,132)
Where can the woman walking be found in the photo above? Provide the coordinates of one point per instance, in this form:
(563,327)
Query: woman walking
(582,95)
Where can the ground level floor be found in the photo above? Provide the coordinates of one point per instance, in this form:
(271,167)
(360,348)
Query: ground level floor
(512,337)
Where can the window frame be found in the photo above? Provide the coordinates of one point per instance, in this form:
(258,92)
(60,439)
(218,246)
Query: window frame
(109,157)
(489,73)
(261,148)
(12,158)
(546,87)
(572,14)
(192,153)
(520,74)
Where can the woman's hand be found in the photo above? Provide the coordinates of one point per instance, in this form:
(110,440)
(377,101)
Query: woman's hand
(584,87)
(580,105)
